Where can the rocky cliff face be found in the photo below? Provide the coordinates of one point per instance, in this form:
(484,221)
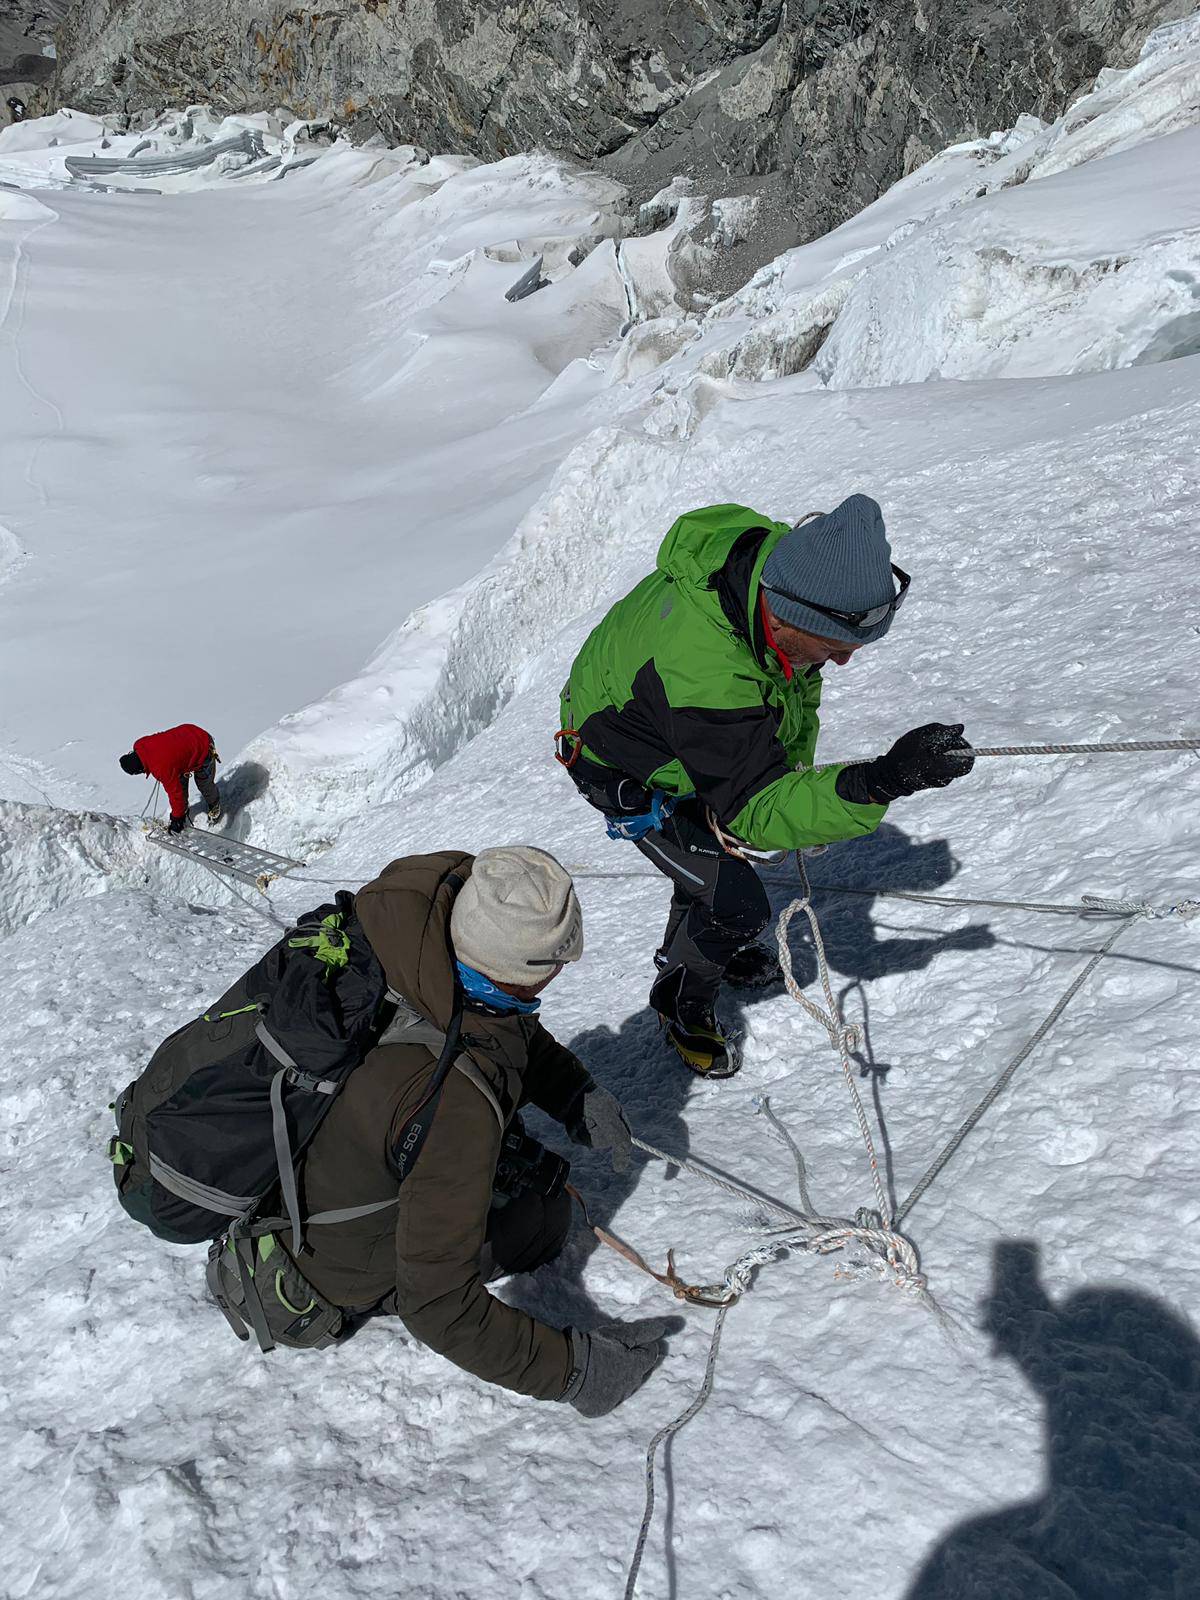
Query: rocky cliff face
(813,107)
(26,47)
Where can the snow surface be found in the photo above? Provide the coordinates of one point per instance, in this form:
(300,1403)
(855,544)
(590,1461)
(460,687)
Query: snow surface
(235,416)
(852,1448)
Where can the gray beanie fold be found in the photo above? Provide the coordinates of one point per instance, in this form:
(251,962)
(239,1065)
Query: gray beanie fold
(840,559)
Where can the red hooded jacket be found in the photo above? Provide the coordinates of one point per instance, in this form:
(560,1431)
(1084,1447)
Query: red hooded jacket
(169,756)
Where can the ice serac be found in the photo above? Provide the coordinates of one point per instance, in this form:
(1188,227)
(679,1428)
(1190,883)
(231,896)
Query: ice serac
(812,108)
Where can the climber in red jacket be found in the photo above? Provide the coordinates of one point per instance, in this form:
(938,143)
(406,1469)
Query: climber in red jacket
(170,756)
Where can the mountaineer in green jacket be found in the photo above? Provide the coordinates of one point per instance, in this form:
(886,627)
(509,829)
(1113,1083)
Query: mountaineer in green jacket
(693,703)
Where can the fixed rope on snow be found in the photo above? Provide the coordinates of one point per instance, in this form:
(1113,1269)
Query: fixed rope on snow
(879,1232)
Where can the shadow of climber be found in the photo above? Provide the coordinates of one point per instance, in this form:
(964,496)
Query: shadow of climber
(1119,1519)
(632,1062)
(856,948)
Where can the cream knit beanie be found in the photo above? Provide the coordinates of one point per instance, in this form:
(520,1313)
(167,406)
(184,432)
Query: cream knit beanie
(516,917)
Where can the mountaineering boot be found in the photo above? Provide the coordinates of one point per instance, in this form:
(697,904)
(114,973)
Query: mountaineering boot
(215,814)
(754,966)
(692,1029)
(700,1044)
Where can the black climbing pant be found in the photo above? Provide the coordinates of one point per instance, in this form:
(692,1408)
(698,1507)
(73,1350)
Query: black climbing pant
(718,905)
(205,781)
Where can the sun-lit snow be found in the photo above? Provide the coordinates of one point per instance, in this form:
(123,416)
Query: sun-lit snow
(235,421)
(1044,503)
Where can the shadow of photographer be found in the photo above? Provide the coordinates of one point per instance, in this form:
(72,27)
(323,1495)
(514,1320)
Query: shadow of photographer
(1119,1519)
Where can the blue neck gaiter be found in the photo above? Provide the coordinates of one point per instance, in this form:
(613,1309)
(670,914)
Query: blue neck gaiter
(484,992)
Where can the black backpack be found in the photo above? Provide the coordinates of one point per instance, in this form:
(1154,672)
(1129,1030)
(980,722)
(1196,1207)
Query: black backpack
(212,1129)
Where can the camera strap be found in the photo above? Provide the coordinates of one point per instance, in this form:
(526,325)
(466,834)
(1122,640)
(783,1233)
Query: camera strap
(409,1027)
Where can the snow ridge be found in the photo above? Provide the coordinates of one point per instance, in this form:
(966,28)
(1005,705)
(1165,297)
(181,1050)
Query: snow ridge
(455,663)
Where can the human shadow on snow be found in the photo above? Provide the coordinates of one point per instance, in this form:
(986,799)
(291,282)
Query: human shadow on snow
(886,859)
(238,787)
(635,1064)
(633,1061)
(1119,1518)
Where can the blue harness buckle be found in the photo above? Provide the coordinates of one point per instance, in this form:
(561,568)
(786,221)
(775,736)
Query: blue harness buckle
(637,827)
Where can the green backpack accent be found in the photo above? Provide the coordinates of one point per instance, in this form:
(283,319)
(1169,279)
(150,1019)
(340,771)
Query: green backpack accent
(329,945)
(261,1289)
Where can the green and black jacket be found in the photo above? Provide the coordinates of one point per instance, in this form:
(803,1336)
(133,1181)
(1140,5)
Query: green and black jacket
(679,689)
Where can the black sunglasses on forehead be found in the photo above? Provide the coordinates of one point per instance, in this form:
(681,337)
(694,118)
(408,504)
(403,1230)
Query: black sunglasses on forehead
(870,618)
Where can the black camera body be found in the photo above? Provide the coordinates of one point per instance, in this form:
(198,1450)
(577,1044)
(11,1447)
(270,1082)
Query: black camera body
(525,1164)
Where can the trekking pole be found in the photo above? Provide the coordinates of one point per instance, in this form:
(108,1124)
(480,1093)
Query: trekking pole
(1126,747)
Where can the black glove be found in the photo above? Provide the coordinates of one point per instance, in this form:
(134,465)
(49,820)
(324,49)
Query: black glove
(597,1120)
(177,824)
(924,758)
(613,1361)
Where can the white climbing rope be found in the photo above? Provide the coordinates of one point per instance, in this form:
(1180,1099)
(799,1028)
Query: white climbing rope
(879,1232)
(879,1235)
(893,1253)
(152,801)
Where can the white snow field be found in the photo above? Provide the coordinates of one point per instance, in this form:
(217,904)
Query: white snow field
(1046,1443)
(235,417)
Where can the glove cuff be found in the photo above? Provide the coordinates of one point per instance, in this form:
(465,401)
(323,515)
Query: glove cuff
(572,1112)
(581,1347)
(862,785)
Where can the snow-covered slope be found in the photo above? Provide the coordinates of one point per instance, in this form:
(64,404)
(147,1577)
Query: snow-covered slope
(1045,506)
(1045,250)
(234,418)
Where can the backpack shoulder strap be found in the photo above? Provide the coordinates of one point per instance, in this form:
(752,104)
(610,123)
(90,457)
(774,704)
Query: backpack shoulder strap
(407,1146)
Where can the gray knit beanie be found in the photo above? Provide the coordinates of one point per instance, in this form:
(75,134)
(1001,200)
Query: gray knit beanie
(516,916)
(840,559)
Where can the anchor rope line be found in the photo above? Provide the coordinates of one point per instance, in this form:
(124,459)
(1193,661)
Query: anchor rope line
(1050,907)
(1114,747)
(877,1231)
(225,883)
(950,1149)
(895,1256)
(784,1133)
(664,1433)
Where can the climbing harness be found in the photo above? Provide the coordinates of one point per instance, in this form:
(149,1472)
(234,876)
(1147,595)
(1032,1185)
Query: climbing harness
(633,828)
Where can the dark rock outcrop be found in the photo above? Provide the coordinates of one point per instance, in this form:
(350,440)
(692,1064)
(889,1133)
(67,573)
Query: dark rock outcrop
(26,32)
(815,106)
